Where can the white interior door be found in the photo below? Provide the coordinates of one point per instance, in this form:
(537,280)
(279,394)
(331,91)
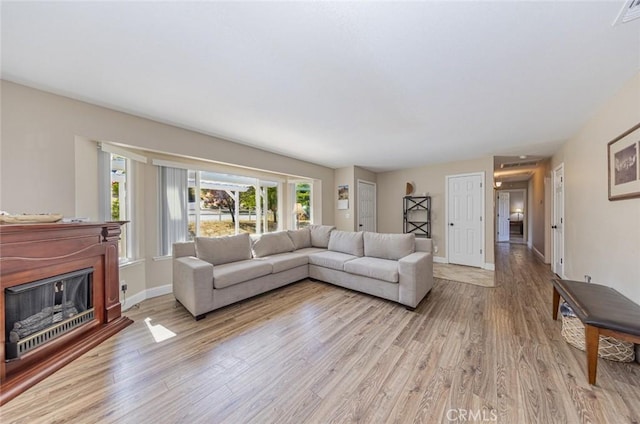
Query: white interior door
(558,221)
(366,206)
(503,215)
(465,210)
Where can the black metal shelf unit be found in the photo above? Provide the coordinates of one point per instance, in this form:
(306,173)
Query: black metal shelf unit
(417,215)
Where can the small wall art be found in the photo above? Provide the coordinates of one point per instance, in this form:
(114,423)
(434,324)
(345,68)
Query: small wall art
(343,196)
(624,171)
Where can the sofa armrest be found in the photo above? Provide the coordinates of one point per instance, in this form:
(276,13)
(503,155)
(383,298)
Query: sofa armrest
(416,277)
(193,284)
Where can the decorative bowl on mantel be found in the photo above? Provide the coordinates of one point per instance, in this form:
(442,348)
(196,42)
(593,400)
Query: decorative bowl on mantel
(30,218)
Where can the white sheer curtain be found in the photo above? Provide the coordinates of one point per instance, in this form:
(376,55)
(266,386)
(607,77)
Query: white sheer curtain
(104,179)
(173,208)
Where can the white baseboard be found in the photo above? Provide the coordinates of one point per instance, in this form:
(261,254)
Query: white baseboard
(538,254)
(146,294)
(489,267)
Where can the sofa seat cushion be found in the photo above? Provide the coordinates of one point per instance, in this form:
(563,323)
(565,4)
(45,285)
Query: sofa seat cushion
(380,269)
(310,250)
(329,259)
(237,272)
(286,261)
(271,244)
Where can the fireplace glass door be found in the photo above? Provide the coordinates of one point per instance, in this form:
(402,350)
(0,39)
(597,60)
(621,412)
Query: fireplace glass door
(42,310)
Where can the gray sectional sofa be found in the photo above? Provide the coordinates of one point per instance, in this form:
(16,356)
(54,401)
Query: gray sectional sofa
(212,272)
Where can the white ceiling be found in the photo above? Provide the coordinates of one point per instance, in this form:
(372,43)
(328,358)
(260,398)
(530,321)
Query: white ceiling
(380,85)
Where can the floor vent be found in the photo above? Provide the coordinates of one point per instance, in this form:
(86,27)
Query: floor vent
(629,12)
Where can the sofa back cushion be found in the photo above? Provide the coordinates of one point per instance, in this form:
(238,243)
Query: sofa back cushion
(300,238)
(271,244)
(389,246)
(424,245)
(320,235)
(349,242)
(222,250)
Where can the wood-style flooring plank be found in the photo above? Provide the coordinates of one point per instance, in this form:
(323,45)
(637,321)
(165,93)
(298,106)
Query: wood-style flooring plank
(315,353)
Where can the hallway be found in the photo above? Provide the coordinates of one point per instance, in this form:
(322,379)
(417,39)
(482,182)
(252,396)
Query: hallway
(551,375)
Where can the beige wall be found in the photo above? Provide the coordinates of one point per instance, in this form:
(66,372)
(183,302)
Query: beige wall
(347,219)
(536,208)
(431,180)
(364,175)
(602,238)
(344,218)
(48,164)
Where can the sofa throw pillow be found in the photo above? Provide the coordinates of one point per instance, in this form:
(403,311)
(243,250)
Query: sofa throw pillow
(300,238)
(271,244)
(320,235)
(222,250)
(348,242)
(389,246)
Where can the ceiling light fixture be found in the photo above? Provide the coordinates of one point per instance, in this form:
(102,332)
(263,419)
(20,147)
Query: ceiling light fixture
(498,184)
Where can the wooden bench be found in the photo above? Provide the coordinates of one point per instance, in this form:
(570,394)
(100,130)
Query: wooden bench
(603,311)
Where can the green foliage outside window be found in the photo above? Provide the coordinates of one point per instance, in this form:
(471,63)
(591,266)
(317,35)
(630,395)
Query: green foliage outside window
(115,201)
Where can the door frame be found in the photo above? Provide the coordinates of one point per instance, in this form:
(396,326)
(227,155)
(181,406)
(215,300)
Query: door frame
(483,217)
(554,218)
(525,211)
(497,212)
(375,204)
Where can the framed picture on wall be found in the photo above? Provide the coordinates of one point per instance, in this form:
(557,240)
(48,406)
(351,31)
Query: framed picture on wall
(343,196)
(624,170)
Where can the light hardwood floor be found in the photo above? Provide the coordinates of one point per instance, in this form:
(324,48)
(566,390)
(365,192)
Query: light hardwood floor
(315,353)
(464,274)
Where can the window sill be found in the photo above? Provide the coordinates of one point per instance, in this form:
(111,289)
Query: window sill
(130,262)
(162,258)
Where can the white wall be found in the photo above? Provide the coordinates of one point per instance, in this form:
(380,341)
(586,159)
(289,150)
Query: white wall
(602,238)
(48,164)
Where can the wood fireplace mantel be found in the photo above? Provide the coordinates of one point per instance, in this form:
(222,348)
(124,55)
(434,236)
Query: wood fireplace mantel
(37,251)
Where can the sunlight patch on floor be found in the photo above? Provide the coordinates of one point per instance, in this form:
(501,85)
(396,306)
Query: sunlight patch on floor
(464,274)
(159,332)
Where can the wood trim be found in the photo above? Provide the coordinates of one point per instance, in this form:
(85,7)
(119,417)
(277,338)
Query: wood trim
(592,340)
(618,335)
(33,252)
(556,303)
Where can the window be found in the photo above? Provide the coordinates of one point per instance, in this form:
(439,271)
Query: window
(221,204)
(302,210)
(215,203)
(119,199)
(116,167)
